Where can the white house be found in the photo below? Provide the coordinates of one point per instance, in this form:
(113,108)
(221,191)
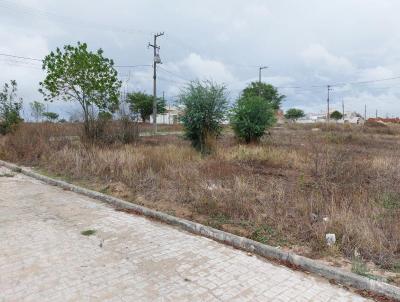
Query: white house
(349,117)
(311,118)
(170,117)
(352,118)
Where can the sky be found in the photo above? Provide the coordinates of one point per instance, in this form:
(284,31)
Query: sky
(306,45)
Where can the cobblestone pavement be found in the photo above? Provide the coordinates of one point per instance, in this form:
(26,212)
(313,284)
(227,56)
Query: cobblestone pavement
(44,256)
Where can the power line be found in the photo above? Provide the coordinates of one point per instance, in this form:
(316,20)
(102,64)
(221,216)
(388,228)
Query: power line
(169,80)
(21,64)
(40,60)
(18,57)
(186,79)
(340,84)
(132,66)
(366,82)
(173,73)
(68,20)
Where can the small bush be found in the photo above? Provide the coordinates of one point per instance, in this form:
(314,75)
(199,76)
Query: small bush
(10,107)
(251,117)
(88,232)
(205,106)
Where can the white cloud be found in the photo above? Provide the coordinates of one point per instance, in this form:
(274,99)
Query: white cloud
(28,74)
(300,45)
(386,102)
(319,58)
(203,68)
(375,73)
(259,10)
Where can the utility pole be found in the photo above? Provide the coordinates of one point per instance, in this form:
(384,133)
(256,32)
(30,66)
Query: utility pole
(156,60)
(259,72)
(365,113)
(343,108)
(328,113)
(163,98)
(259,78)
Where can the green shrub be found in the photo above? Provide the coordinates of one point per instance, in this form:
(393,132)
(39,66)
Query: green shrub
(250,117)
(205,107)
(336,115)
(294,114)
(142,104)
(10,106)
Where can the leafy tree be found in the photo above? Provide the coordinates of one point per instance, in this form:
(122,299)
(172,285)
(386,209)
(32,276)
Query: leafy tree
(336,115)
(37,109)
(10,107)
(205,107)
(268,92)
(105,116)
(142,104)
(294,114)
(51,116)
(77,74)
(250,117)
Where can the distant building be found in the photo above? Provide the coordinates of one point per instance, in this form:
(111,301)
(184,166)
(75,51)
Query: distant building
(350,117)
(280,116)
(311,118)
(170,117)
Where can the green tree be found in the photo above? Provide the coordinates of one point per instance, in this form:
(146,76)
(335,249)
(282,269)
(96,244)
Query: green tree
(336,115)
(294,114)
(105,116)
(10,107)
(204,109)
(250,117)
(268,92)
(77,74)
(51,116)
(37,109)
(142,104)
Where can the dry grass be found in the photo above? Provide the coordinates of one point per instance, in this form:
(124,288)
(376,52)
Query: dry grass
(277,192)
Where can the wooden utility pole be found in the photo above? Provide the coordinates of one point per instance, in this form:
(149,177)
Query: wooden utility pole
(156,60)
(328,113)
(343,108)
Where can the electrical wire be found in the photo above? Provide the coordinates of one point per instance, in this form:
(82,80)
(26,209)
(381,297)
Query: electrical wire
(185,79)
(68,20)
(172,73)
(18,57)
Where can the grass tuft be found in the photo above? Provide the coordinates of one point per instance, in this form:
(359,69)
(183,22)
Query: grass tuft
(88,232)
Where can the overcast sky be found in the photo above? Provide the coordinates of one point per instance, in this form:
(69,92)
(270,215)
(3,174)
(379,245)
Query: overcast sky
(305,43)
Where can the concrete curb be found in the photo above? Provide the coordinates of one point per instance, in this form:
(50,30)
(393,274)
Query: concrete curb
(340,276)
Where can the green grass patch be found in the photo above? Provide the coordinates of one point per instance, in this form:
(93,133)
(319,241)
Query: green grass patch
(88,232)
(266,234)
(17,170)
(216,221)
(391,201)
(7,175)
(360,268)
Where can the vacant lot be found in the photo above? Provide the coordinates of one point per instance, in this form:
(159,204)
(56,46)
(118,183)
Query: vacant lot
(290,190)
